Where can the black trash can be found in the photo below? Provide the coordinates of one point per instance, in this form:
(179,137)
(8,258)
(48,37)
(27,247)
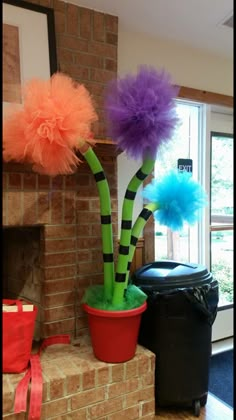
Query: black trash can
(177,327)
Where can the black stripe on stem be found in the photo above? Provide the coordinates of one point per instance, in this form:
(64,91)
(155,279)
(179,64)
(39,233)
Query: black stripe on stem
(107,258)
(145,214)
(130,195)
(99,176)
(129,265)
(133,240)
(120,277)
(105,220)
(124,250)
(141,175)
(126,224)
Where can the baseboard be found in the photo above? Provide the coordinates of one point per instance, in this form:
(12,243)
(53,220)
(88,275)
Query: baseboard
(222,345)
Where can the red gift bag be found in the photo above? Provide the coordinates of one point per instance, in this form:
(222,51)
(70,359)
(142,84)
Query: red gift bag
(18,331)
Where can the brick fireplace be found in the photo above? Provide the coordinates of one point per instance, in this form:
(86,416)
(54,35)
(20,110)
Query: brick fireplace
(65,213)
(65,209)
(61,216)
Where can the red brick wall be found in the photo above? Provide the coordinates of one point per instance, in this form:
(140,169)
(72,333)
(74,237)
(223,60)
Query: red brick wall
(67,207)
(86,42)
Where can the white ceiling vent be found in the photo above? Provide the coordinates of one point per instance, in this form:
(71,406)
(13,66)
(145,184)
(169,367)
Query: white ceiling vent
(229,21)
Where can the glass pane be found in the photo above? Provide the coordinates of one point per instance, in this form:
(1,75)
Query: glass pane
(183,145)
(222,263)
(221,175)
(173,245)
(161,252)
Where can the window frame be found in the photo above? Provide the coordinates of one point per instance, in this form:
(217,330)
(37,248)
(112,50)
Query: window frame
(192,94)
(225,221)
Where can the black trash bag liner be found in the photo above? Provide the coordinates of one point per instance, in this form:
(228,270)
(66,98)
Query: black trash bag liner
(205,299)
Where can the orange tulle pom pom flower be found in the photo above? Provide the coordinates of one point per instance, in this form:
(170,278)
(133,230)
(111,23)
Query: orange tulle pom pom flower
(53,123)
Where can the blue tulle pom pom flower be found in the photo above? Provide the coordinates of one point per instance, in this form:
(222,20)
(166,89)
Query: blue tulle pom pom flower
(141,111)
(179,199)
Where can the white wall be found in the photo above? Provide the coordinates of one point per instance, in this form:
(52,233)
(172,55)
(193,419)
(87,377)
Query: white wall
(222,121)
(189,67)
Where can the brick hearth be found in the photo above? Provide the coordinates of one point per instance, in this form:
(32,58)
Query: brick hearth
(76,386)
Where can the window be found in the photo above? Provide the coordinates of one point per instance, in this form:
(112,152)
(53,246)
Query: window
(221,214)
(210,242)
(180,246)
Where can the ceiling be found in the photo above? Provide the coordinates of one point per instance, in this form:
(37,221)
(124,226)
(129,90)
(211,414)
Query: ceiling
(196,23)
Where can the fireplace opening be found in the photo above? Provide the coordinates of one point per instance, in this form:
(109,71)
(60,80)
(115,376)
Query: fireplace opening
(22,273)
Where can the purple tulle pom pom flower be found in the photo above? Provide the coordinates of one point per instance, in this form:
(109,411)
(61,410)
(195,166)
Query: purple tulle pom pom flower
(180,199)
(141,111)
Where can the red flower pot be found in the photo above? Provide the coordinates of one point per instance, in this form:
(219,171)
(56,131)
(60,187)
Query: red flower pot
(114,334)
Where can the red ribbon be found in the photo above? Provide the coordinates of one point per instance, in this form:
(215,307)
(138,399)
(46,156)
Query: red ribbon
(34,375)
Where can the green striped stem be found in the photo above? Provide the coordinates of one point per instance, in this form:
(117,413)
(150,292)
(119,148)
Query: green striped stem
(105,212)
(126,227)
(138,226)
